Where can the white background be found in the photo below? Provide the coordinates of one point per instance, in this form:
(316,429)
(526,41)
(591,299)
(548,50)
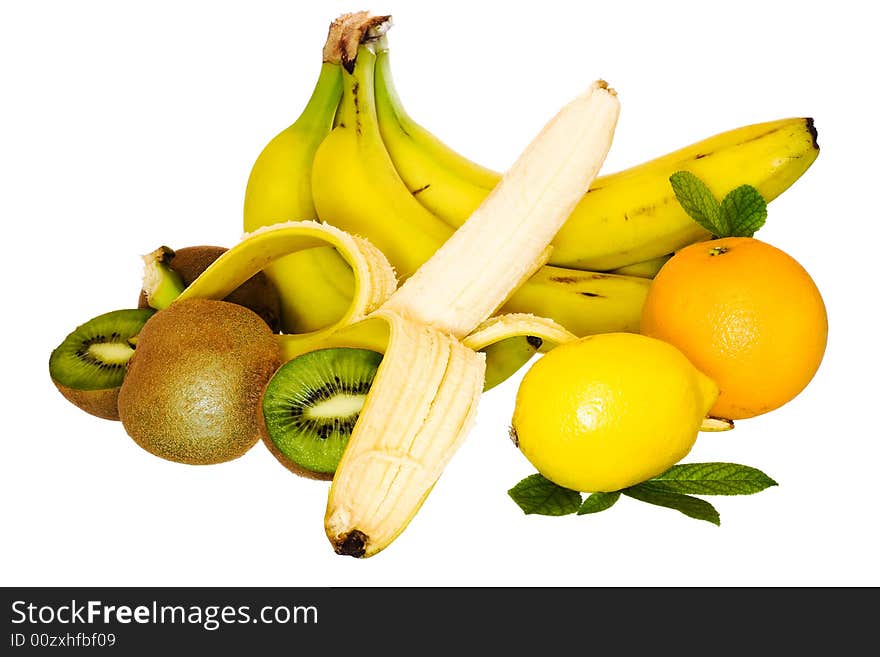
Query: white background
(125,126)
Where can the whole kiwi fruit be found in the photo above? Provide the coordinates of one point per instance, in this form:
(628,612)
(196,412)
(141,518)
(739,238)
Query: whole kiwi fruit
(192,390)
(257,293)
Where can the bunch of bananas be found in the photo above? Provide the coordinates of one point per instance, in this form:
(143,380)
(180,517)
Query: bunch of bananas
(356,160)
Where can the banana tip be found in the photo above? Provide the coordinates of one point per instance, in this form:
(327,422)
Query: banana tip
(603,84)
(353,544)
(813,132)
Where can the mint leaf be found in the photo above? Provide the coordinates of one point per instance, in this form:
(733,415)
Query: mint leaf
(744,211)
(596,502)
(692,507)
(698,201)
(538,495)
(711,479)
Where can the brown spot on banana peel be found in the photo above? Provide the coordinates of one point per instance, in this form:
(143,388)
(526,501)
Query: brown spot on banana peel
(353,544)
(357,107)
(415,192)
(808,122)
(591,294)
(571,280)
(764,134)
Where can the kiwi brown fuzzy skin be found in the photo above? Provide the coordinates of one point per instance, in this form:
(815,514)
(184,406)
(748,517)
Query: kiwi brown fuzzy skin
(257,293)
(193,386)
(100,403)
(279,455)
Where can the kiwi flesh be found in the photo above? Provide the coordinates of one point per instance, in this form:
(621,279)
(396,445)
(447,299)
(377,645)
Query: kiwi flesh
(88,367)
(192,390)
(311,404)
(257,293)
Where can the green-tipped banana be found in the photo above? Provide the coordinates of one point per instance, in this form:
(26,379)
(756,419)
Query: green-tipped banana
(626,217)
(277,190)
(355,185)
(445,182)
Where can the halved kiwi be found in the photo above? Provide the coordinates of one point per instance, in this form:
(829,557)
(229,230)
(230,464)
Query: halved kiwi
(89,366)
(311,404)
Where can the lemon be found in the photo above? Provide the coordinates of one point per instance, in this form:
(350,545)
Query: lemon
(609,411)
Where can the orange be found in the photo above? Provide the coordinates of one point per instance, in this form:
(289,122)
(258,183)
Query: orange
(747,315)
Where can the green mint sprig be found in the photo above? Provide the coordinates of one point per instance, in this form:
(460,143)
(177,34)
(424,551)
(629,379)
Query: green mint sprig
(740,214)
(673,489)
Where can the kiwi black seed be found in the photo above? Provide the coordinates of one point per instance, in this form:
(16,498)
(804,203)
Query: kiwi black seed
(257,293)
(192,390)
(89,366)
(311,404)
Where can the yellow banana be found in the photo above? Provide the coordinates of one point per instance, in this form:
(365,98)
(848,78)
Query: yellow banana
(626,217)
(355,186)
(445,182)
(315,286)
(608,230)
(584,302)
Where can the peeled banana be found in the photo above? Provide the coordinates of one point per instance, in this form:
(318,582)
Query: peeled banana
(424,403)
